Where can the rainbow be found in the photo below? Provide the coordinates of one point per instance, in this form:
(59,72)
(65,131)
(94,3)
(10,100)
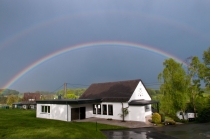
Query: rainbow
(86,45)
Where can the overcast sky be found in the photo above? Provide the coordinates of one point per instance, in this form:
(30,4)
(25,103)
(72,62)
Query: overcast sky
(32,30)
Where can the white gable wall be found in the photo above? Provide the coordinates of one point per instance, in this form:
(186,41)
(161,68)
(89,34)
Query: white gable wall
(140,93)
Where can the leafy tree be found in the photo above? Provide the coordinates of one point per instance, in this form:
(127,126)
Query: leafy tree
(12,99)
(124,113)
(3,100)
(195,72)
(151,91)
(71,93)
(7,92)
(206,73)
(174,87)
(71,96)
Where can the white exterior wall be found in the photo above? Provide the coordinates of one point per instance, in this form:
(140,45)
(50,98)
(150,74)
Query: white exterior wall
(57,112)
(117,110)
(88,108)
(137,113)
(140,93)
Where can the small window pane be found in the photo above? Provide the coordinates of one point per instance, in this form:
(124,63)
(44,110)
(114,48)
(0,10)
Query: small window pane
(99,109)
(147,108)
(45,109)
(94,109)
(42,108)
(48,109)
(104,109)
(110,109)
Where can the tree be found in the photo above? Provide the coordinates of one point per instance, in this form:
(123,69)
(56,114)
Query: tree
(174,87)
(195,73)
(206,73)
(12,99)
(124,112)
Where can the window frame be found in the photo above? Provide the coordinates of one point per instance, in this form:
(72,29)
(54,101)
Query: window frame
(94,108)
(147,108)
(45,109)
(110,109)
(104,109)
(98,108)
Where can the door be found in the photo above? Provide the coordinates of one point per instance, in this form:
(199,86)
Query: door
(82,113)
(75,114)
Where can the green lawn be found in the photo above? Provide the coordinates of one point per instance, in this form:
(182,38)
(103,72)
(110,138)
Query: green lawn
(23,124)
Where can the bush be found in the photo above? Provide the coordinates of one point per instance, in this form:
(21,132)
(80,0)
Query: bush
(170,122)
(156,118)
(204,115)
(162,115)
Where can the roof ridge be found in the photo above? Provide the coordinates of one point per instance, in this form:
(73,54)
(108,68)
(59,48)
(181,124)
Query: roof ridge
(117,81)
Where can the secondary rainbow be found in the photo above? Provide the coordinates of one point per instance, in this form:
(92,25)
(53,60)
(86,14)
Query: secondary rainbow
(85,45)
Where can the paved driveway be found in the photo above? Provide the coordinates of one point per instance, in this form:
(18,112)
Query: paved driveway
(140,133)
(184,131)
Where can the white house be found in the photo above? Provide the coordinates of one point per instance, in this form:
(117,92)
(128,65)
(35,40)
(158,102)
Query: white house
(188,115)
(101,100)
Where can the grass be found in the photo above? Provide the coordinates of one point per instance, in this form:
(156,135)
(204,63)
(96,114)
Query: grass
(23,124)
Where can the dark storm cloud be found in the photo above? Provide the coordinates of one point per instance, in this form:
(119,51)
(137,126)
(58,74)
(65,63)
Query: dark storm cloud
(31,30)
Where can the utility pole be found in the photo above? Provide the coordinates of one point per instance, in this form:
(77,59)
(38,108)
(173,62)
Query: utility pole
(65,87)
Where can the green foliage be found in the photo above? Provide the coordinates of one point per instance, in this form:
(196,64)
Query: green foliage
(7,92)
(71,93)
(195,73)
(156,118)
(170,122)
(3,100)
(124,113)
(206,71)
(162,115)
(152,92)
(12,99)
(71,96)
(157,91)
(174,87)
(204,115)
(22,124)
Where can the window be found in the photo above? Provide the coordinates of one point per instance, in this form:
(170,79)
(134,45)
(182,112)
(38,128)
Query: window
(104,109)
(147,108)
(42,108)
(99,109)
(45,109)
(94,108)
(48,109)
(110,109)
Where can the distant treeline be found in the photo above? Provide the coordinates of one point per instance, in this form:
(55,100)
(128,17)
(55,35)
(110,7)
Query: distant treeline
(7,92)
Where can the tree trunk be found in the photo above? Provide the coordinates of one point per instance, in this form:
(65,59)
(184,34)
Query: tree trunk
(123,114)
(183,115)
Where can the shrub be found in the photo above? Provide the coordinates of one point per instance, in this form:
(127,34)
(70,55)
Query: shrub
(156,118)
(162,115)
(204,115)
(170,122)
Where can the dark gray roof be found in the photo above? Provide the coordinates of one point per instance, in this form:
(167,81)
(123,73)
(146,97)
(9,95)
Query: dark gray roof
(68,101)
(119,91)
(142,102)
(25,103)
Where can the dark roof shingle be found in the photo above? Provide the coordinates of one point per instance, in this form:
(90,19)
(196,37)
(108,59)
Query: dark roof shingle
(120,91)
